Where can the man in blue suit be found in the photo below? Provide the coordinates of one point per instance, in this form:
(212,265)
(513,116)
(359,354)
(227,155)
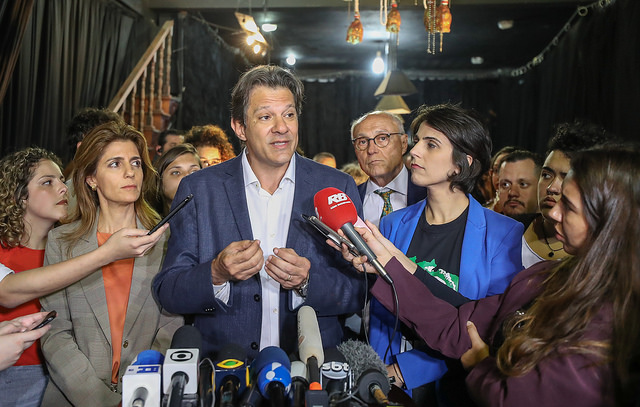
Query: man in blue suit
(240,258)
(380,142)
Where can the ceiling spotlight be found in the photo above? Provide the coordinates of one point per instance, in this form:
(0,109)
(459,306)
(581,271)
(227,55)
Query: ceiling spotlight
(291,60)
(477,60)
(378,64)
(505,24)
(268,27)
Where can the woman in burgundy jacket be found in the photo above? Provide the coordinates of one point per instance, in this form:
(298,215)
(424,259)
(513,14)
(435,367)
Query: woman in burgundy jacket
(562,333)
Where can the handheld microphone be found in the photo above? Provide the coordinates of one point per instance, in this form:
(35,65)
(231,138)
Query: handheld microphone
(299,383)
(336,376)
(206,383)
(141,382)
(231,374)
(180,368)
(311,352)
(337,211)
(369,371)
(273,375)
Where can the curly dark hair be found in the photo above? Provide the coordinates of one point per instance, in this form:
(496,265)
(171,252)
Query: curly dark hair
(16,170)
(211,135)
(576,136)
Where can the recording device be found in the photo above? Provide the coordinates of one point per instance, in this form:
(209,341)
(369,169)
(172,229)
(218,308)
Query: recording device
(171,214)
(48,318)
(311,352)
(273,373)
(206,383)
(337,211)
(141,385)
(180,368)
(299,383)
(369,371)
(335,376)
(328,233)
(231,374)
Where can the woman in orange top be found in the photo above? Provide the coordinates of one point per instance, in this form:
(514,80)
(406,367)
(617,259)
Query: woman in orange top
(107,318)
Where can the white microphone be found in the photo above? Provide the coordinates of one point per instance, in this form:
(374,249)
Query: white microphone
(141,383)
(180,368)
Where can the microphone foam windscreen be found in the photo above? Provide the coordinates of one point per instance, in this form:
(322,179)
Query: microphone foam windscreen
(309,339)
(186,337)
(361,357)
(334,208)
(149,357)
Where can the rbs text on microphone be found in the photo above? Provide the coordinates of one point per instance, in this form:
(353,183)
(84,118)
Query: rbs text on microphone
(337,211)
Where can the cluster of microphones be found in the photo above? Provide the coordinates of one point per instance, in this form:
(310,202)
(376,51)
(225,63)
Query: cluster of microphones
(350,375)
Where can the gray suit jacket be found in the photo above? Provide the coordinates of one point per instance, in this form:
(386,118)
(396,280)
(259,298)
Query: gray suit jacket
(78,347)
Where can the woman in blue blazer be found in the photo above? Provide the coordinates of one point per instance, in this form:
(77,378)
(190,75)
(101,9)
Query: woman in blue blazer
(472,250)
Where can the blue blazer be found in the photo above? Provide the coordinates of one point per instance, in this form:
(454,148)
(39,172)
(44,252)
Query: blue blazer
(414,192)
(218,216)
(491,256)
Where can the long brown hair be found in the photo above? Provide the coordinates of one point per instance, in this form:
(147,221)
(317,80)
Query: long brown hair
(606,272)
(85,164)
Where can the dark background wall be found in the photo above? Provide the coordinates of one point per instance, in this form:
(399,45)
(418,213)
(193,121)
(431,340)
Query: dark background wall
(591,74)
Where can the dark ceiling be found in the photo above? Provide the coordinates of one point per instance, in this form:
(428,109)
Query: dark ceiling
(316,34)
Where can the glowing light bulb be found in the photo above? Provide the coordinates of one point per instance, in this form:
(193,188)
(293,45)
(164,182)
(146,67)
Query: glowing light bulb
(291,60)
(378,64)
(256,49)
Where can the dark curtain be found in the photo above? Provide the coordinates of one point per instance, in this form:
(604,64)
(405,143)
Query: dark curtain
(75,53)
(14,17)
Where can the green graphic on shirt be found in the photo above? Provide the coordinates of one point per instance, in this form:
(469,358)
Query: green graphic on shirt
(448,279)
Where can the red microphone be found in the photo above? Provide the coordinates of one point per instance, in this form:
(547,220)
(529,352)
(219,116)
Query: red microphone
(337,211)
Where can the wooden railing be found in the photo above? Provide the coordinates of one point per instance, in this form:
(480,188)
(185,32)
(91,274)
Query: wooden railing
(144,100)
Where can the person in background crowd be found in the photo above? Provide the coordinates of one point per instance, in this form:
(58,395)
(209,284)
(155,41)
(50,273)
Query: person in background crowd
(242,260)
(517,183)
(107,318)
(539,241)
(172,167)
(379,142)
(167,140)
(212,144)
(472,250)
(325,158)
(563,333)
(353,169)
(494,172)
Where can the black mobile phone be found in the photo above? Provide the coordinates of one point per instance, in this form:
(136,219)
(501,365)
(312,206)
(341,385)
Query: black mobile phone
(329,233)
(50,317)
(170,215)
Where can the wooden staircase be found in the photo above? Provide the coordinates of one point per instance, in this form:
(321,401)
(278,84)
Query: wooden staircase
(144,100)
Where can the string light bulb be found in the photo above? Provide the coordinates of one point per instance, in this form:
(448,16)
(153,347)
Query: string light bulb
(378,64)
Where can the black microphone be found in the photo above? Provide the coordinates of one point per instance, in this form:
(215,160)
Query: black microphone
(206,383)
(180,368)
(299,383)
(336,376)
(337,211)
(231,374)
(369,371)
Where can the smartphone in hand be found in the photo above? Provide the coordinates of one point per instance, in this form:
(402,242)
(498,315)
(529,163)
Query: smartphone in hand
(50,317)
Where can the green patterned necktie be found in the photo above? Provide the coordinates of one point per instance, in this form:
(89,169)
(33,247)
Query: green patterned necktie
(386,196)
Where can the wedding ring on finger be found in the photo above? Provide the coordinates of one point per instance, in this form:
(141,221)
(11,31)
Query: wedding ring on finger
(288,278)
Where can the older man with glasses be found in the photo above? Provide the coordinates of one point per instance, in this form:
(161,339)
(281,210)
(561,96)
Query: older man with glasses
(380,142)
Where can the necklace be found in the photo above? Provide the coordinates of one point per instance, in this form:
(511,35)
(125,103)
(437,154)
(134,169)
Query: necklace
(544,234)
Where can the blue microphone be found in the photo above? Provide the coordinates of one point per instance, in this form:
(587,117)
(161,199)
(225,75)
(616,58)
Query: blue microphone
(273,370)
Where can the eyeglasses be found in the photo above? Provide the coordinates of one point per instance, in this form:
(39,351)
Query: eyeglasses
(208,163)
(381,140)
